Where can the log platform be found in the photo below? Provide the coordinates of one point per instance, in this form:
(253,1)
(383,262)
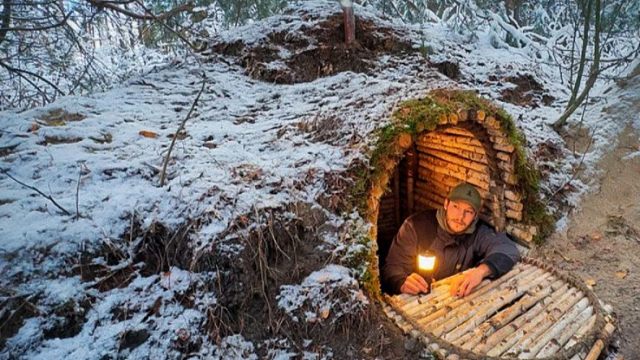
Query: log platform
(532,312)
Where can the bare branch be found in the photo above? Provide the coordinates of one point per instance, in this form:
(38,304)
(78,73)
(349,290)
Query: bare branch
(159,20)
(38,191)
(111,5)
(173,141)
(20,71)
(62,22)
(6,18)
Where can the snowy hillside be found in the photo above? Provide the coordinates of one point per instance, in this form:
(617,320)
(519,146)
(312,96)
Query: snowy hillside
(247,250)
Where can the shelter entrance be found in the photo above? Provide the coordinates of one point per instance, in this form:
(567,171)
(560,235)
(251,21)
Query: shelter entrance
(533,311)
(438,160)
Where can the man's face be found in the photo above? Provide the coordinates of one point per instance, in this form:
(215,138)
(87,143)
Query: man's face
(459,215)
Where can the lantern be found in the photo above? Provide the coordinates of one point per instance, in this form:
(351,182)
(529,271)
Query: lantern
(427,265)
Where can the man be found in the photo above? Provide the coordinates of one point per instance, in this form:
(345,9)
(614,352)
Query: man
(459,241)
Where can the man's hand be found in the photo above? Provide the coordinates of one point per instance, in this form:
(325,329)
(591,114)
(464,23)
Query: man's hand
(464,285)
(414,284)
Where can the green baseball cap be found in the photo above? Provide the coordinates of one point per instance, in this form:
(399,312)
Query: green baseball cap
(467,193)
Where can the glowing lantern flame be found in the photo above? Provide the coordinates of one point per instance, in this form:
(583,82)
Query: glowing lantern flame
(426,262)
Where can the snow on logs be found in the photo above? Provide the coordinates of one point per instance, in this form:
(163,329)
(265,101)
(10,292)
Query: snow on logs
(531,312)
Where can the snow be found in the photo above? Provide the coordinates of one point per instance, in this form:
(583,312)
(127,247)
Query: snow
(258,157)
(323,292)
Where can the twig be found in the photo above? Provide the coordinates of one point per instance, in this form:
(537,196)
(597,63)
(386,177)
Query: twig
(173,141)
(38,191)
(78,194)
(575,173)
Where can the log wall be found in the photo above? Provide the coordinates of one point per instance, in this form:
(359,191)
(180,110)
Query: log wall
(467,146)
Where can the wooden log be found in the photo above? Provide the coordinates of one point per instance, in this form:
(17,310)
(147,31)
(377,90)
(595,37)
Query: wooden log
(481,290)
(472,178)
(485,305)
(506,166)
(479,116)
(490,306)
(377,191)
(469,304)
(554,345)
(458,131)
(387,163)
(425,301)
(522,234)
(507,315)
(504,148)
(512,195)
(396,196)
(544,336)
(459,136)
(524,336)
(452,142)
(454,162)
(453,118)
(463,115)
(429,198)
(412,174)
(499,139)
(433,306)
(510,178)
(448,179)
(513,214)
(515,206)
(491,123)
(461,151)
(609,328)
(505,332)
(427,204)
(404,140)
(581,332)
(527,302)
(503,156)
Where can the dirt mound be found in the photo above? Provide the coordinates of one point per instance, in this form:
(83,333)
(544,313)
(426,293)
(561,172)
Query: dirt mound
(290,57)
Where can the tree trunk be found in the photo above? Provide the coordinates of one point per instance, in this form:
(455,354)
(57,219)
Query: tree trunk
(594,71)
(349,22)
(6,19)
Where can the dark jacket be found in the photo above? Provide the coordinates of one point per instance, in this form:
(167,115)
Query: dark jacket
(454,253)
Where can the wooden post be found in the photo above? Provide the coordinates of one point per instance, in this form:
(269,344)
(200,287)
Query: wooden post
(349,22)
(412,172)
(396,196)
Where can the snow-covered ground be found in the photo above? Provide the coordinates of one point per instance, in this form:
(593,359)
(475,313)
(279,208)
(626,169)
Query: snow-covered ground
(246,149)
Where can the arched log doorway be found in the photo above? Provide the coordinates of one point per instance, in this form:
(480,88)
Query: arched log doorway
(435,143)
(439,141)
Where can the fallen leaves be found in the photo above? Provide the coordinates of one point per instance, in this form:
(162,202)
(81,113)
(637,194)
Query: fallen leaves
(621,274)
(148,134)
(591,282)
(596,235)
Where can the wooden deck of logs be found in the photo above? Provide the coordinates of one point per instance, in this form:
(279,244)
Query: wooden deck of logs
(528,313)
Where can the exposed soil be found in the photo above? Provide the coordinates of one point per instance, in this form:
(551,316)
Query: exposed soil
(527,92)
(449,69)
(601,242)
(314,52)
